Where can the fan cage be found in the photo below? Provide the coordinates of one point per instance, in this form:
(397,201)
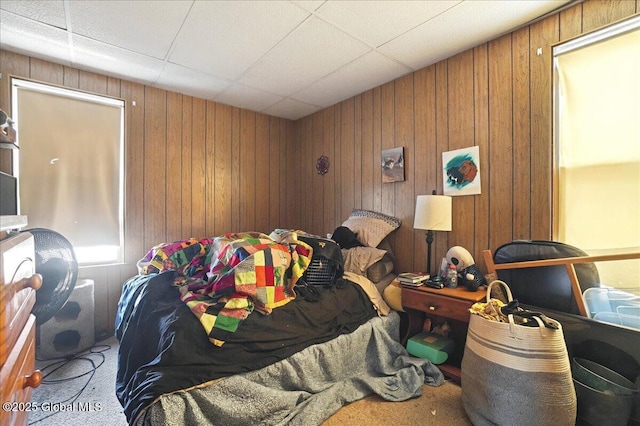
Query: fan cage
(56,262)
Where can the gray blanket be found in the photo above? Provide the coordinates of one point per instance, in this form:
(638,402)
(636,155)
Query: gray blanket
(308,387)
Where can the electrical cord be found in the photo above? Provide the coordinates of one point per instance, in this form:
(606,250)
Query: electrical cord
(85,356)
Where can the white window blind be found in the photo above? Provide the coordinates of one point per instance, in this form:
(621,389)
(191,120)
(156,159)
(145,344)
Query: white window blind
(598,139)
(71,166)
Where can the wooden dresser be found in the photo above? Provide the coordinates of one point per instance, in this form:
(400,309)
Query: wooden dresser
(18,285)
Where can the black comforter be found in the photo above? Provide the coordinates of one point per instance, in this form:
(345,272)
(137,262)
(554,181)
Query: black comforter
(164,348)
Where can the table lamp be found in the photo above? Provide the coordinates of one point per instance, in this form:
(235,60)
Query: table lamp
(433,213)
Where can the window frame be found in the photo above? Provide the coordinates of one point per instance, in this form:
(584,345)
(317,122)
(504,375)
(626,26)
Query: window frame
(84,254)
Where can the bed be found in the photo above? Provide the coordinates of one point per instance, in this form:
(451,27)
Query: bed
(293,363)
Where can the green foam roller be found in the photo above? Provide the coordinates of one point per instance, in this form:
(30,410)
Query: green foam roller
(431,346)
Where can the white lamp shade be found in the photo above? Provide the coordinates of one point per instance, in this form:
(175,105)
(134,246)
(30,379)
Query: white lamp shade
(433,213)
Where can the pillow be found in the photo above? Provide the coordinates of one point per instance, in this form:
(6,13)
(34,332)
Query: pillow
(380,269)
(359,259)
(385,282)
(371,227)
(392,294)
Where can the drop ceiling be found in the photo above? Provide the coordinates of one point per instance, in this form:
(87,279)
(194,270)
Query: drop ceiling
(283,58)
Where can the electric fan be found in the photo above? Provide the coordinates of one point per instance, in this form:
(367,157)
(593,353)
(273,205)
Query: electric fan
(56,262)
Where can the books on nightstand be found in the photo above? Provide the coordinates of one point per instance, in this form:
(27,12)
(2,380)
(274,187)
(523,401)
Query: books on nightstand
(415,279)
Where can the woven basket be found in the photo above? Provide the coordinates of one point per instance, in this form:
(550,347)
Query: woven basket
(516,375)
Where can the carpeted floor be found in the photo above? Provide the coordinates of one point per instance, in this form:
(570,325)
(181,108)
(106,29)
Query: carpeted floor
(81,391)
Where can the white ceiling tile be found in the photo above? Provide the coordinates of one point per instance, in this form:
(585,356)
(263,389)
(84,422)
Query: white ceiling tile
(310,52)
(106,59)
(225,37)
(352,79)
(435,40)
(377,22)
(242,96)
(286,58)
(50,12)
(291,109)
(190,82)
(147,27)
(310,5)
(22,35)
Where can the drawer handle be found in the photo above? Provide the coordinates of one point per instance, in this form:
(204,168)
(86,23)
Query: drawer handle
(33,380)
(34,282)
(432,307)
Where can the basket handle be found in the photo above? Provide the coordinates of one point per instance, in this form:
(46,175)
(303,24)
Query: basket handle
(512,324)
(504,285)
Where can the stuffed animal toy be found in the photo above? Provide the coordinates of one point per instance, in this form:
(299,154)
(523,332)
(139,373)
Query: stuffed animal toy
(469,274)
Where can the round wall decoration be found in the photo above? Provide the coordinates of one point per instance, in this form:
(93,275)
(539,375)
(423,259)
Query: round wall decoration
(322,165)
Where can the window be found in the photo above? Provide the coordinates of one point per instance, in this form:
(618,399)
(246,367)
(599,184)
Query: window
(70,166)
(597,147)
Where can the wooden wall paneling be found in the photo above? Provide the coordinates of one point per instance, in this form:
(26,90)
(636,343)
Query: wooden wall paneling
(222,169)
(500,139)
(71,77)
(46,72)
(571,22)
(357,152)
(461,135)
(134,247)
(198,168)
(521,136)
(387,134)
(294,196)
(92,82)
(210,142)
(262,165)
(155,159)
(441,239)
(330,221)
(543,35)
(425,146)
(347,158)
(337,143)
(174,188)
(377,149)
(247,171)
(113,87)
(186,175)
(317,181)
(367,152)
(11,64)
(235,170)
(276,161)
(598,13)
(404,196)
(287,208)
(306,194)
(481,135)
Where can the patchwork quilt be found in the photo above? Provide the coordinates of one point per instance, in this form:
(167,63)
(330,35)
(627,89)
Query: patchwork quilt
(223,279)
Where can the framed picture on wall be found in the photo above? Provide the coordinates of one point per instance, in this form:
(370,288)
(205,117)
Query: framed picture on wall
(461,171)
(393,165)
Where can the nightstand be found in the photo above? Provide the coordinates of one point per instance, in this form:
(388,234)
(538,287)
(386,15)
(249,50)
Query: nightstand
(439,305)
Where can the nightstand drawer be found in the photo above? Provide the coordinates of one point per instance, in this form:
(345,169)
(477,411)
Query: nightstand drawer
(435,304)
